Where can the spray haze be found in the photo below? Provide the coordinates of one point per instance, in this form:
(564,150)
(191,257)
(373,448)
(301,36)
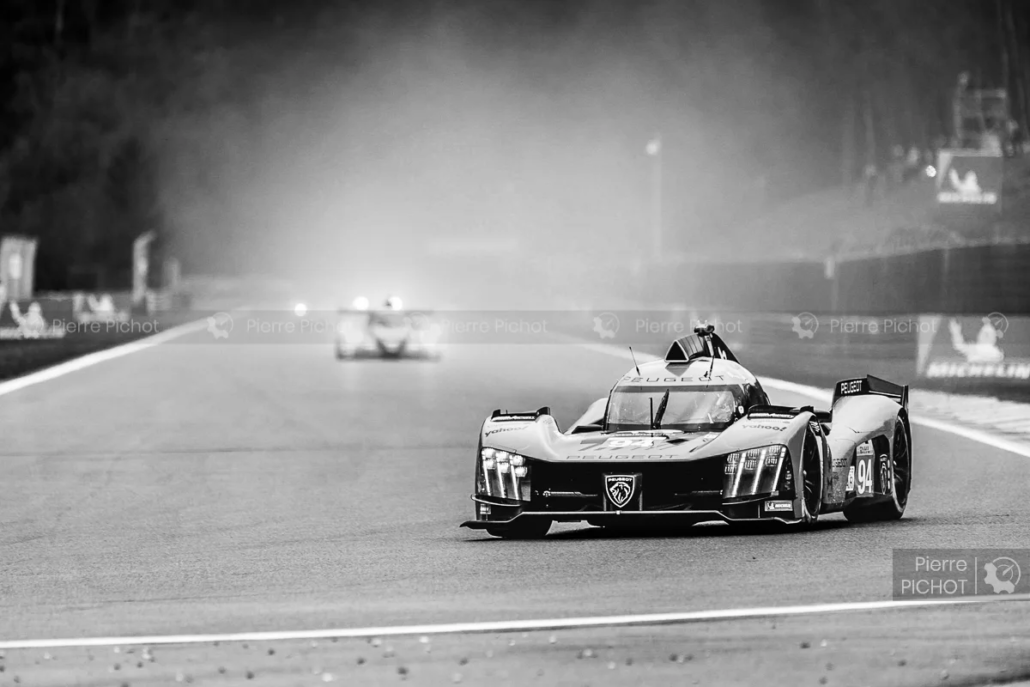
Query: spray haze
(375,140)
(387,144)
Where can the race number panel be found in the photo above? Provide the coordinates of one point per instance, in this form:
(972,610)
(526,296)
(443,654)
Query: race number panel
(864,476)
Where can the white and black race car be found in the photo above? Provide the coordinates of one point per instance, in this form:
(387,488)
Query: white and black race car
(693,438)
(386,332)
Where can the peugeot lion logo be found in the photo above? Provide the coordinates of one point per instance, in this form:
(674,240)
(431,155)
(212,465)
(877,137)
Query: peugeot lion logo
(620,488)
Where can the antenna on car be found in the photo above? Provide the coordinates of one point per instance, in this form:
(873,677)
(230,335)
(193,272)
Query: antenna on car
(704,332)
(634,357)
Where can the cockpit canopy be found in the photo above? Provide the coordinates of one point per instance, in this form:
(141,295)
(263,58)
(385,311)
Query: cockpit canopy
(688,408)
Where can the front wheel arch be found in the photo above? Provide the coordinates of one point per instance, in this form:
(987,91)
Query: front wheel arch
(811,478)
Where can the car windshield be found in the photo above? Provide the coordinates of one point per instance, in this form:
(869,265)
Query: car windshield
(688,408)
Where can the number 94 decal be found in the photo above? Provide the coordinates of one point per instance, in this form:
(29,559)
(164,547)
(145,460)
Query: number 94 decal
(863,475)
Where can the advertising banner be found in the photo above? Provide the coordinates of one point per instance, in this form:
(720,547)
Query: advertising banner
(141,268)
(17,267)
(969,177)
(974,350)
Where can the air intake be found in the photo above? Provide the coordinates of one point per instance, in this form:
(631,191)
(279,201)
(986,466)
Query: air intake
(695,346)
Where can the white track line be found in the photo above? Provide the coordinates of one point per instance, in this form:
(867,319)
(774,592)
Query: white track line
(976,435)
(512,625)
(91,359)
(824,396)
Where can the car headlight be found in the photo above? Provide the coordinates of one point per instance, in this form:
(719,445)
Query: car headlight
(503,474)
(754,471)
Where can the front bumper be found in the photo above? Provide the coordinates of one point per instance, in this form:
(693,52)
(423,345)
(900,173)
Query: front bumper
(373,350)
(498,514)
(603,492)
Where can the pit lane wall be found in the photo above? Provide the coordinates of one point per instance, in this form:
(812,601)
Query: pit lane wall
(955,281)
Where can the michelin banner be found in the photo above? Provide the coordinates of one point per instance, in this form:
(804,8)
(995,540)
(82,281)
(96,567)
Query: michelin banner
(974,349)
(969,177)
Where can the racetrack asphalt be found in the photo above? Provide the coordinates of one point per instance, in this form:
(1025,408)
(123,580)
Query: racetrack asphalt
(196,487)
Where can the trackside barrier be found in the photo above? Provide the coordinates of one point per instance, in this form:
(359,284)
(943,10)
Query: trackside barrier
(971,279)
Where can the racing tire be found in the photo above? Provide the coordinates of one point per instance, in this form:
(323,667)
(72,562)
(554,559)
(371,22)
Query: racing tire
(811,480)
(894,507)
(527,529)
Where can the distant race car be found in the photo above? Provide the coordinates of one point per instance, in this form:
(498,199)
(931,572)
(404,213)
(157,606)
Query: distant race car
(387,332)
(693,438)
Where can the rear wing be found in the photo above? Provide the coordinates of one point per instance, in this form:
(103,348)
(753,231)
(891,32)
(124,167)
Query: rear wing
(871,386)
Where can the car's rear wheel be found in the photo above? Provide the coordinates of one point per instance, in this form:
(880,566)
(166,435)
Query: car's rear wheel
(901,484)
(524,529)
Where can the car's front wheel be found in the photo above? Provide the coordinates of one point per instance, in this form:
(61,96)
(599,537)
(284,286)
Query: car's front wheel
(811,480)
(525,529)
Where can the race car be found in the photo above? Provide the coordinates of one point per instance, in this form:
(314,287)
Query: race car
(386,332)
(693,438)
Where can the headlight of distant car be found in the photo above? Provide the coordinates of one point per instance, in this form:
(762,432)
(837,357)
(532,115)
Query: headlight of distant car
(760,470)
(504,474)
